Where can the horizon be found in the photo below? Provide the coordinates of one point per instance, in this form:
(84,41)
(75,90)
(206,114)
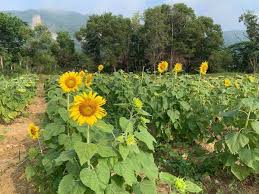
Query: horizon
(223,13)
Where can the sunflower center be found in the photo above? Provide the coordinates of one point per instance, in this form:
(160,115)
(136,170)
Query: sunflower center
(33,131)
(87,109)
(71,83)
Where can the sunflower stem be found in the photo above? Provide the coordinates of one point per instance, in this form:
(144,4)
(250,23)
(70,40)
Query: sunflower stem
(40,147)
(88,141)
(67,101)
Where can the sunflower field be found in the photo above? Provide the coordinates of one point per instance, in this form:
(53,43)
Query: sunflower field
(15,94)
(106,133)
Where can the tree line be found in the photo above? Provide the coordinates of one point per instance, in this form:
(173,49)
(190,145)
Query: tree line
(172,33)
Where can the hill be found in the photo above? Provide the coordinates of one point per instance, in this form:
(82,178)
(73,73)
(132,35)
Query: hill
(234,36)
(56,20)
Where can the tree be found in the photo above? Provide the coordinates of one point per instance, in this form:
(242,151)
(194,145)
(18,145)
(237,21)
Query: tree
(105,38)
(66,56)
(39,51)
(13,34)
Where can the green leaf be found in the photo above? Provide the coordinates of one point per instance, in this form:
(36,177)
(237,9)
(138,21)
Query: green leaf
(174,115)
(145,187)
(90,179)
(166,177)
(124,151)
(85,151)
(145,137)
(67,155)
(246,156)
(104,127)
(255,126)
(241,172)
(192,187)
(53,129)
(126,125)
(29,173)
(106,151)
(69,186)
(63,114)
(115,189)
(236,141)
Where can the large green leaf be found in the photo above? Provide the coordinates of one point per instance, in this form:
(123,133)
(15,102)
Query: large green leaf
(174,115)
(145,187)
(145,137)
(236,141)
(104,127)
(85,151)
(69,186)
(241,172)
(52,130)
(126,125)
(255,126)
(193,188)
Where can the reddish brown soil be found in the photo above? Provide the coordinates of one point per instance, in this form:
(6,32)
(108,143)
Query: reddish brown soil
(13,148)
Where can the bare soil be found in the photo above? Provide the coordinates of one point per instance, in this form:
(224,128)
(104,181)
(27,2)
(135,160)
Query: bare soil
(13,147)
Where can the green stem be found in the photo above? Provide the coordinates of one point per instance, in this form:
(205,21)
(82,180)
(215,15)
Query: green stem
(88,141)
(68,102)
(247,119)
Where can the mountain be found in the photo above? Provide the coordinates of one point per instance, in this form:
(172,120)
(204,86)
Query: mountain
(234,36)
(56,20)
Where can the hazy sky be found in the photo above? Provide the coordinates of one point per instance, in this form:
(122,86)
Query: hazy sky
(224,12)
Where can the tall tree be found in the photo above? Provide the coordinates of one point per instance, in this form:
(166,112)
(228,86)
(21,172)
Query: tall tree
(106,38)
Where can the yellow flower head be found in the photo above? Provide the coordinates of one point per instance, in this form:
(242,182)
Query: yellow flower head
(180,184)
(87,108)
(162,67)
(237,84)
(137,103)
(100,67)
(178,68)
(130,140)
(251,79)
(82,73)
(88,80)
(227,82)
(204,68)
(33,131)
(70,81)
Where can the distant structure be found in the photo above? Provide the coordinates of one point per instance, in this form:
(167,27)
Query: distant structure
(36,21)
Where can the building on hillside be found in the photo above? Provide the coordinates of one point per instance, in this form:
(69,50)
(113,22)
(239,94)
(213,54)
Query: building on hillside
(37,21)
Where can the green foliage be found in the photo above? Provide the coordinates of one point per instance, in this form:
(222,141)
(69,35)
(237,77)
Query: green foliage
(15,94)
(117,158)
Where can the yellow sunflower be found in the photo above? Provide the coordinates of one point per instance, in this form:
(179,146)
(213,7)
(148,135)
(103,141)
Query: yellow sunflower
(100,67)
(70,81)
(88,80)
(86,108)
(33,131)
(204,68)
(162,67)
(251,79)
(137,103)
(82,73)
(178,68)
(227,82)
(130,140)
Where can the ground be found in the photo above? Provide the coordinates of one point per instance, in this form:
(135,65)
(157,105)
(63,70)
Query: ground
(13,148)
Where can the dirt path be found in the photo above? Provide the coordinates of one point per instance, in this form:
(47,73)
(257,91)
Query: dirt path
(13,147)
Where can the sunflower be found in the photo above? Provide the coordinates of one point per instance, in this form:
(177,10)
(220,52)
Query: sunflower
(162,67)
(82,73)
(70,81)
(204,68)
(137,103)
(178,68)
(33,131)
(227,82)
(88,80)
(130,140)
(86,108)
(100,67)
(251,79)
